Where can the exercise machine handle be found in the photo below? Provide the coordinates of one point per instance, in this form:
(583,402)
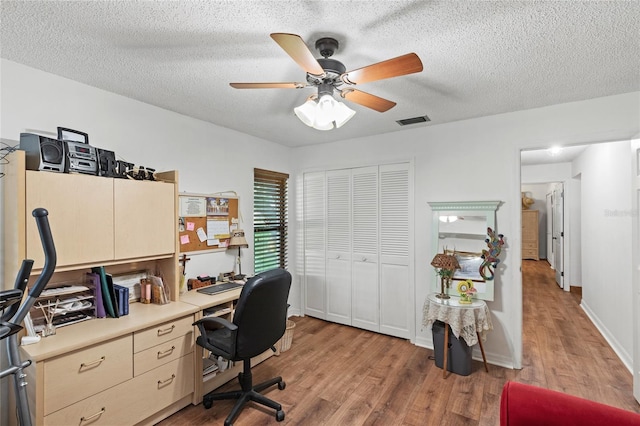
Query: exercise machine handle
(50,258)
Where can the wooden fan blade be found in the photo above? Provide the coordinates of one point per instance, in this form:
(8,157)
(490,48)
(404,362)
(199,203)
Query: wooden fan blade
(368,100)
(402,65)
(268,85)
(299,52)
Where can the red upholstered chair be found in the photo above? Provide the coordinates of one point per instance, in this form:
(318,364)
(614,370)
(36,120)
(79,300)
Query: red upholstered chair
(526,405)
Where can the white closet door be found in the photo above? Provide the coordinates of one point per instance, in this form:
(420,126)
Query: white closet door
(365,289)
(338,283)
(315,223)
(395,250)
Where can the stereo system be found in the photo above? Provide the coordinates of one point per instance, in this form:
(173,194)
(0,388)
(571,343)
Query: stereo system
(43,153)
(67,156)
(81,158)
(54,155)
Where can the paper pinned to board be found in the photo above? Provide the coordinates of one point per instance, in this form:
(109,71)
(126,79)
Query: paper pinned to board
(184,239)
(217,229)
(202,236)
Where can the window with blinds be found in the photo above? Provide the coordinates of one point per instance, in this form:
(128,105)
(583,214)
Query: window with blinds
(269,220)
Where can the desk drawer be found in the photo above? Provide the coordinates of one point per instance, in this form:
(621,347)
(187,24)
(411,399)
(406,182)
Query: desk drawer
(83,373)
(132,401)
(162,354)
(162,333)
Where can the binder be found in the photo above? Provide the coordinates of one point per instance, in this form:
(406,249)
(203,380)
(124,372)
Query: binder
(123,299)
(114,296)
(106,294)
(97,295)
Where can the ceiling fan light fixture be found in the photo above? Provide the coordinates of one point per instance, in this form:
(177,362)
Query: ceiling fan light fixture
(306,112)
(342,114)
(325,113)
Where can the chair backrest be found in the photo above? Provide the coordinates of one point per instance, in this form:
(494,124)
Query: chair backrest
(261,312)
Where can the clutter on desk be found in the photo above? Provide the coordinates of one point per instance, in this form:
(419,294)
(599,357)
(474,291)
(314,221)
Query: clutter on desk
(60,305)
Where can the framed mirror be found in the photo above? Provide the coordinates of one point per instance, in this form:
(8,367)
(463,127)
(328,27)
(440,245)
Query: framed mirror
(460,228)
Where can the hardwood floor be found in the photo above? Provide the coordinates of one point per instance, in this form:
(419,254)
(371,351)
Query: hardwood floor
(338,375)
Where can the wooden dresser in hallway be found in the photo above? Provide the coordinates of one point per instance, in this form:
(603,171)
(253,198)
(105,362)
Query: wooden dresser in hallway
(530,247)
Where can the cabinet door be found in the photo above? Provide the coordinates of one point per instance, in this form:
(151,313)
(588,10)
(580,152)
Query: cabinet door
(365,282)
(315,222)
(80,215)
(145,218)
(395,250)
(338,282)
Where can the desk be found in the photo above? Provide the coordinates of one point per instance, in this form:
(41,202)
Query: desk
(469,321)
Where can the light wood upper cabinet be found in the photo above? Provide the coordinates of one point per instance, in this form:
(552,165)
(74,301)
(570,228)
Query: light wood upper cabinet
(80,215)
(144,218)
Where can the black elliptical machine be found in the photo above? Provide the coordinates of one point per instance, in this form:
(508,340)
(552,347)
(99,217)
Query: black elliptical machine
(14,312)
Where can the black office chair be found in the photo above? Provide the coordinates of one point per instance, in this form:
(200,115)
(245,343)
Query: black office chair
(259,321)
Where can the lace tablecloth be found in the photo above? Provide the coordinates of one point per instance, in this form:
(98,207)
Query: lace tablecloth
(465,320)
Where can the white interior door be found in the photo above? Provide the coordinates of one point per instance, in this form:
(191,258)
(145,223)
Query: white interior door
(315,223)
(635,259)
(549,230)
(338,284)
(558,233)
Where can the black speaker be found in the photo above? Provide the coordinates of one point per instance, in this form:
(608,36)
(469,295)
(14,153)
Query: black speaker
(43,153)
(106,163)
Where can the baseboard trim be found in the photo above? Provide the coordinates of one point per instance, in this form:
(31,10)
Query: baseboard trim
(613,342)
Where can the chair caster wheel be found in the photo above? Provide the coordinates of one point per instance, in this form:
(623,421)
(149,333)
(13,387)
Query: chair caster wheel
(279,415)
(282,385)
(207,403)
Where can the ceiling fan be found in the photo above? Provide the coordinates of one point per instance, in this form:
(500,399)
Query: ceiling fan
(330,75)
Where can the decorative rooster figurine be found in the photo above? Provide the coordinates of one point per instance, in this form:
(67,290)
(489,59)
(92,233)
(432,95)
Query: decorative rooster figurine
(490,257)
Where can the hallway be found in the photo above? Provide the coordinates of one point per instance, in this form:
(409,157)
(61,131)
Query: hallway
(562,349)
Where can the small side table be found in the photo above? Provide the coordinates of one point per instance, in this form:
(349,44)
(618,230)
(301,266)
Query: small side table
(471,321)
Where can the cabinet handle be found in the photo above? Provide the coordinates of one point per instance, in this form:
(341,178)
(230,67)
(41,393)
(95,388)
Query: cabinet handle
(167,352)
(165,382)
(364,259)
(92,363)
(86,419)
(338,257)
(166,330)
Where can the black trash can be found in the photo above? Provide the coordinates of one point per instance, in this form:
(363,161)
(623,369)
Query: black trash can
(459,353)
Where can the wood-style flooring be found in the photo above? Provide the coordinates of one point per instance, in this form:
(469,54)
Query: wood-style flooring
(338,375)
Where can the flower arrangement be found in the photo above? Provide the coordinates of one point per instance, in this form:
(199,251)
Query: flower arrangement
(466,291)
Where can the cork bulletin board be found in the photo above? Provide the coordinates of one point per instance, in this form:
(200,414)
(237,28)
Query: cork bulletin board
(206,221)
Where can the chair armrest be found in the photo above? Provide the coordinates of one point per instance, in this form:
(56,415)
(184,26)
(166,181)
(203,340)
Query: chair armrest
(217,335)
(209,323)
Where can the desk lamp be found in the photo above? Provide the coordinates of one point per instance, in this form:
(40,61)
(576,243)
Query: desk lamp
(445,265)
(238,241)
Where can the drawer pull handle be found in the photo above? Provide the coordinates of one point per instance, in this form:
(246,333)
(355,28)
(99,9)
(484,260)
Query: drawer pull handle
(167,352)
(166,382)
(86,419)
(92,363)
(166,330)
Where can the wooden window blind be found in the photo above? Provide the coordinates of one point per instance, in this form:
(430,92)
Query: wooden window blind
(270,220)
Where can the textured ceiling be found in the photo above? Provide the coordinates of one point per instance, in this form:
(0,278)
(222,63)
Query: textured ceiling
(480,58)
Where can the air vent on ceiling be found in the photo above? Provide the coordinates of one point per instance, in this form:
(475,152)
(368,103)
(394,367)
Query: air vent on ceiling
(414,120)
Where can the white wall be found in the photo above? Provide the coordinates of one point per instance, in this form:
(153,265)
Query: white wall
(478,159)
(469,160)
(605,172)
(209,158)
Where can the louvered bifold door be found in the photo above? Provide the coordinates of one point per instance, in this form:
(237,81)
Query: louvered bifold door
(395,250)
(365,284)
(314,211)
(338,281)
